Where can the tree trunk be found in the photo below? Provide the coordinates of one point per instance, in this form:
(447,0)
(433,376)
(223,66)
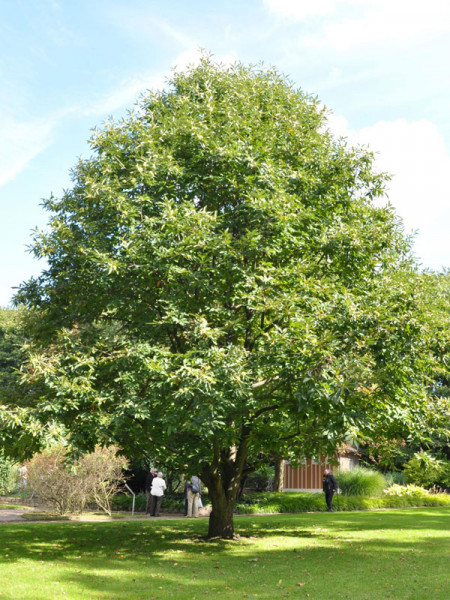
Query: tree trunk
(223,495)
(223,478)
(241,488)
(221,520)
(278,481)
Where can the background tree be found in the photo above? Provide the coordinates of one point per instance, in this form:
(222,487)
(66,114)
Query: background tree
(432,431)
(13,338)
(21,432)
(12,354)
(220,283)
(436,430)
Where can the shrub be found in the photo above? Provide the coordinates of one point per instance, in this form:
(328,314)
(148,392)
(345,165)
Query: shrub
(444,479)
(261,479)
(361,482)
(171,502)
(9,471)
(395,477)
(68,487)
(52,482)
(424,469)
(406,490)
(124,502)
(101,475)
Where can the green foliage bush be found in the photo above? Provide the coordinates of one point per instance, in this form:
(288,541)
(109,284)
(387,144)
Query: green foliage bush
(406,490)
(171,502)
(260,479)
(361,482)
(445,476)
(8,476)
(423,469)
(395,478)
(125,502)
(426,470)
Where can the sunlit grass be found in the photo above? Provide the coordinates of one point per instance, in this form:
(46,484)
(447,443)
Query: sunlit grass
(376,555)
(46,515)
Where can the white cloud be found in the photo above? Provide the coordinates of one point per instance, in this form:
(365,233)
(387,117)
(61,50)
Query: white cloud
(300,10)
(416,156)
(415,152)
(384,20)
(348,23)
(21,142)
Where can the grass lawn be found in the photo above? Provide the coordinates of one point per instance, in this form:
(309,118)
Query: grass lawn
(370,555)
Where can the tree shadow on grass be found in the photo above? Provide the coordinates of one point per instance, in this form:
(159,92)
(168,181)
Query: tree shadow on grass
(170,559)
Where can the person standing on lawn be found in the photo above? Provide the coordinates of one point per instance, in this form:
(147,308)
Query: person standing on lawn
(157,493)
(194,490)
(330,486)
(148,486)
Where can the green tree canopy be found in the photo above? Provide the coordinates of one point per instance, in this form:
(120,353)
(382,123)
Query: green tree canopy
(12,340)
(221,284)
(432,427)
(22,429)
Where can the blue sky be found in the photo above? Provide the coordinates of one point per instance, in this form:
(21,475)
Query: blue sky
(380,66)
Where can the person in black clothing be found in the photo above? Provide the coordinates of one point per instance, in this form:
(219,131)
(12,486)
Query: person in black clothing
(330,486)
(148,486)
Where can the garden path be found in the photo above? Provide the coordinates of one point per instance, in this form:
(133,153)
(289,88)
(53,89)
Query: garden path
(11,514)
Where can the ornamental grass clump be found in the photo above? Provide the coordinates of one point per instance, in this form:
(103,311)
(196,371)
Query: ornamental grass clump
(361,482)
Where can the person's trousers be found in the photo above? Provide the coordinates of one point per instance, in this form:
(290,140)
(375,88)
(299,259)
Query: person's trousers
(329,499)
(155,505)
(192,501)
(149,500)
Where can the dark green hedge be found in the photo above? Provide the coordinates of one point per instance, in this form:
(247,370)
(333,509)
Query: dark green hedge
(171,502)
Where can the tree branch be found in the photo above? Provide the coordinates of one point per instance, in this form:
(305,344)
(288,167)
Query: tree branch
(263,410)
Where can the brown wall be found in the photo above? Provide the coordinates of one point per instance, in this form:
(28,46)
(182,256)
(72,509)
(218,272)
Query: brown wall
(307,477)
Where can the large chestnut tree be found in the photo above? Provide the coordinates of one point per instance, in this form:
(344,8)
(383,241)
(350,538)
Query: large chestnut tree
(222,283)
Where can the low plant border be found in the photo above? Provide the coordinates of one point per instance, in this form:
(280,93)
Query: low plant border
(297,502)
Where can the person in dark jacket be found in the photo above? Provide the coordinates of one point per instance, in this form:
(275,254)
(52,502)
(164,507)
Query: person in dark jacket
(148,486)
(330,486)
